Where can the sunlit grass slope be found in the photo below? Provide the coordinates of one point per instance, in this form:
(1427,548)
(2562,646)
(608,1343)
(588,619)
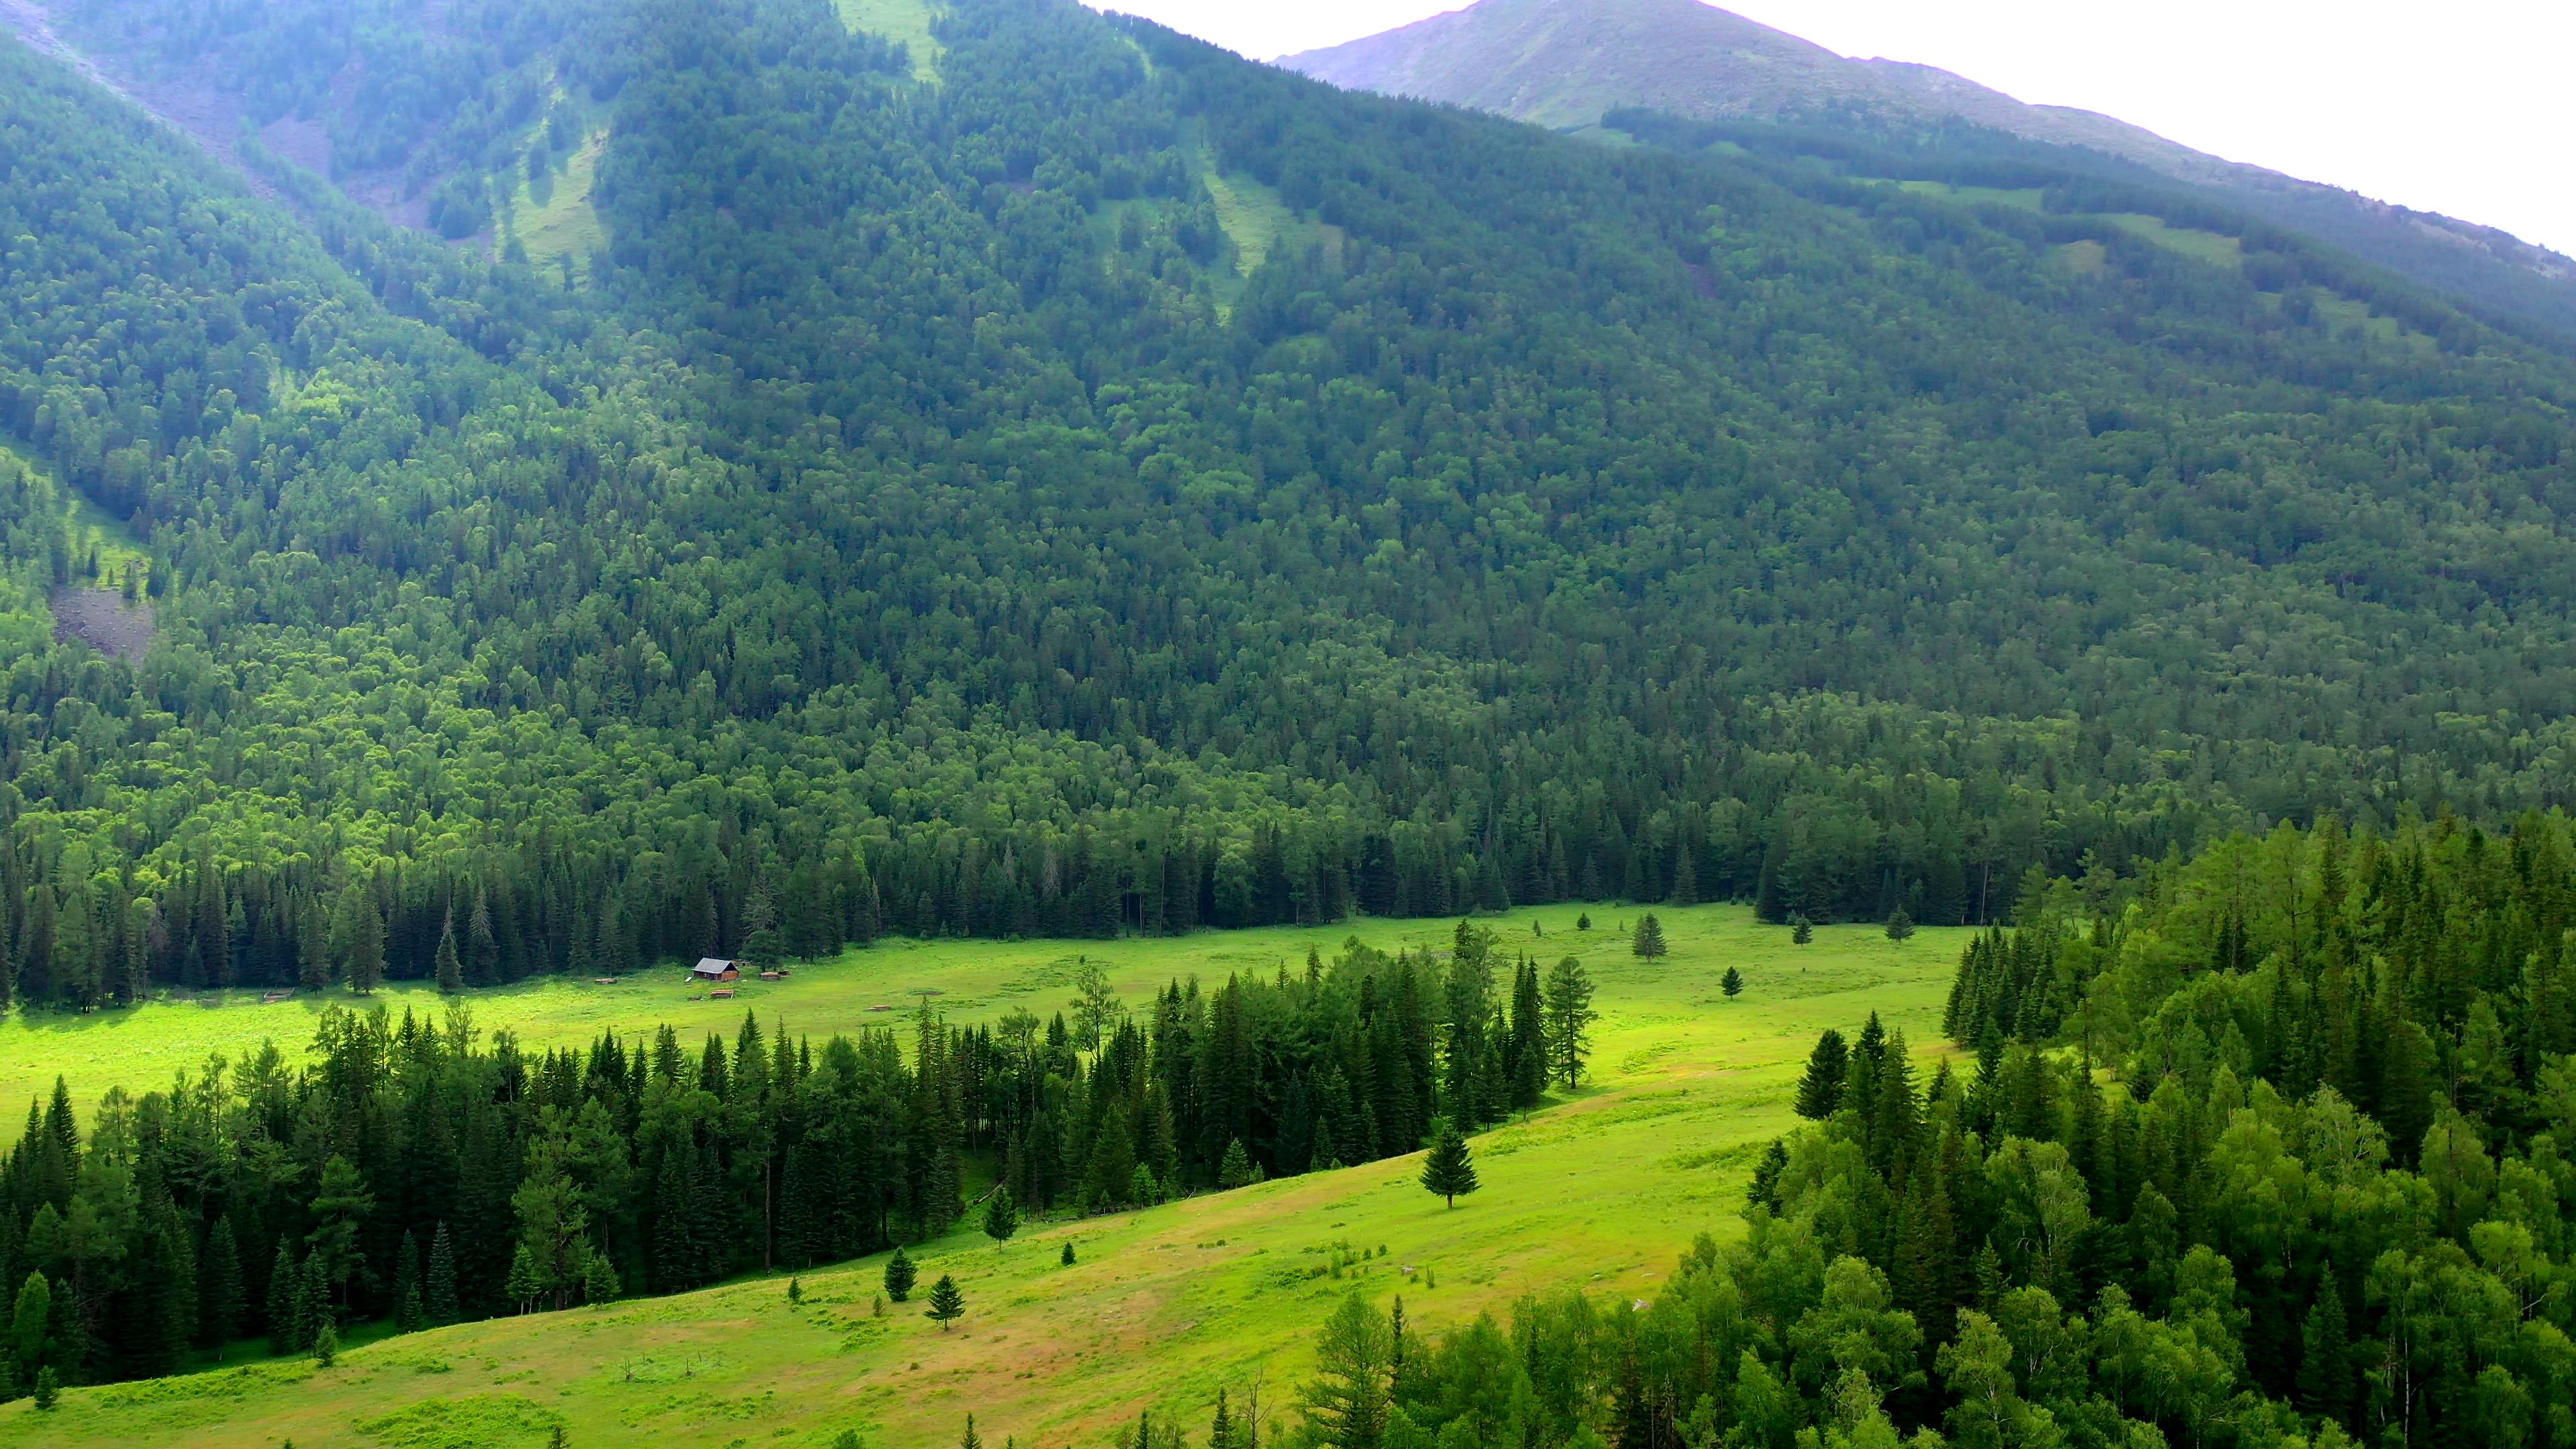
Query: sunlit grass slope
(1164,1305)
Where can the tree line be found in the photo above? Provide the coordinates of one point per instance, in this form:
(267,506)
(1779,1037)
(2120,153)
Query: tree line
(424,1172)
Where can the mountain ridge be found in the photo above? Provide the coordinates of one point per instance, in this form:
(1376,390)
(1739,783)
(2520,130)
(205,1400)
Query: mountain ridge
(1566,63)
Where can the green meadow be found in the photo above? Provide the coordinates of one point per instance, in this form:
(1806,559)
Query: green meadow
(1163,1306)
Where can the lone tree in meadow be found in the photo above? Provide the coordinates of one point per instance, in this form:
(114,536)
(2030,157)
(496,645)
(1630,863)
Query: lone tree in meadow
(1067,1258)
(1801,930)
(947,1305)
(1448,1169)
(1001,1216)
(1648,942)
(1821,1090)
(1732,983)
(1899,924)
(900,1276)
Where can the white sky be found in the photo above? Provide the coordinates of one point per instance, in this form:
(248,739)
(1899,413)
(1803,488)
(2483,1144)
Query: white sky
(2466,107)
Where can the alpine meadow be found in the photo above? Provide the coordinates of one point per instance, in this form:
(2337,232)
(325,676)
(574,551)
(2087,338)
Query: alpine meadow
(895,723)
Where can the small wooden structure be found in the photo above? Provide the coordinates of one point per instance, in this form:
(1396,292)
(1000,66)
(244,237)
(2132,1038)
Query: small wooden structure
(713,968)
(603,981)
(772,975)
(725,994)
(271,998)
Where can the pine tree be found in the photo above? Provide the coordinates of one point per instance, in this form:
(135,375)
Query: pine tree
(282,1279)
(366,942)
(2325,1360)
(451,968)
(1001,1215)
(1648,942)
(1066,1258)
(947,1305)
(49,1389)
(1569,1020)
(326,1344)
(1732,983)
(900,1275)
(1899,924)
(599,1280)
(219,1289)
(1821,1090)
(971,1440)
(407,1310)
(1801,930)
(1449,1170)
(523,1285)
(1764,1191)
(1583,922)
(443,1306)
(31,1316)
(1236,1168)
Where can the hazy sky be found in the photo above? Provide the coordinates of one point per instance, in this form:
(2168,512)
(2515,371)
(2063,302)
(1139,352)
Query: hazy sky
(2462,107)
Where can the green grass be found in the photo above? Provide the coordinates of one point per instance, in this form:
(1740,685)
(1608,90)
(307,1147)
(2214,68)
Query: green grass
(90,526)
(2206,246)
(2025,198)
(904,20)
(1165,1305)
(562,222)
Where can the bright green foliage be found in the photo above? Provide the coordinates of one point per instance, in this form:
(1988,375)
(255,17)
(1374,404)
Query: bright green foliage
(1001,1215)
(947,1303)
(900,1275)
(1648,941)
(1236,1169)
(326,1346)
(49,1389)
(1449,1169)
(1346,1404)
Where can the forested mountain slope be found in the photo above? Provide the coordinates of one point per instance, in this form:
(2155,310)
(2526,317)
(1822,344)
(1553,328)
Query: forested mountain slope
(1087,480)
(1567,63)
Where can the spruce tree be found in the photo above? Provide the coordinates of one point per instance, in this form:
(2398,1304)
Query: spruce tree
(1569,1020)
(1801,930)
(1821,1090)
(1001,1215)
(1583,922)
(2325,1360)
(1236,1168)
(1899,924)
(49,1389)
(282,1279)
(947,1305)
(366,942)
(326,1345)
(599,1280)
(451,968)
(1648,941)
(970,1440)
(1066,1258)
(900,1275)
(219,1289)
(1732,983)
(1764,1190)
(442,1304)
(1449,1170)
(407,1310)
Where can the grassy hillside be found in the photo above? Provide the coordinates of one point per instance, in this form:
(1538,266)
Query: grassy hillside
(1164,1305)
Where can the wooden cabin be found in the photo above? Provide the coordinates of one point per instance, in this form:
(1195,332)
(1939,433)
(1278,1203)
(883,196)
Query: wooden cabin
(710,968)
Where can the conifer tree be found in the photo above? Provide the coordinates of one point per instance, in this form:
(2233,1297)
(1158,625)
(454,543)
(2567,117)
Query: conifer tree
(326,1344)
(1236,1168)
(1732,983)
(1764,1190)
(1801,930)
(49,1389)
(900,1275)
(1569,1020)
(1529,1060)
(947,1304)
(1066,1258)
(1449,1169)
(1001,1215)
(450,967)
(407,1304)
(219,1288)
(366,942)
(1821,1090)
(1648,941)
(970,1440)
(282,1280)
(2325,1364)
(1900,924)
(1583,921)
(442,1302)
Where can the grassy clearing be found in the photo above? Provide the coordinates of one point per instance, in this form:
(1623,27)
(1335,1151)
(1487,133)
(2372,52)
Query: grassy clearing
(1253,215)
(904,20)
(90,527)
(2025,198)
(2086,258)
(1165,1305)
(2205,246)
(556,219)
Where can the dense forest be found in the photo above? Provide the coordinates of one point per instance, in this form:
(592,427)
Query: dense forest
(914,520)
(420,1172)
(2261,1150)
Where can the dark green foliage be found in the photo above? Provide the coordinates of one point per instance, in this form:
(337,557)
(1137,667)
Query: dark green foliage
(1448,1169)
(795,1291)
(1764,1189)
(1820,1091)
(443,1305)
(1569,1018)
(1001,1215)
(1732,983)
(900,1275)
(49,1389)
(1900,924)
(947,1303)
(1648,941)
(409,1314)
(326,1345)
(1066,1257)
(222,1294)
(1801,930)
